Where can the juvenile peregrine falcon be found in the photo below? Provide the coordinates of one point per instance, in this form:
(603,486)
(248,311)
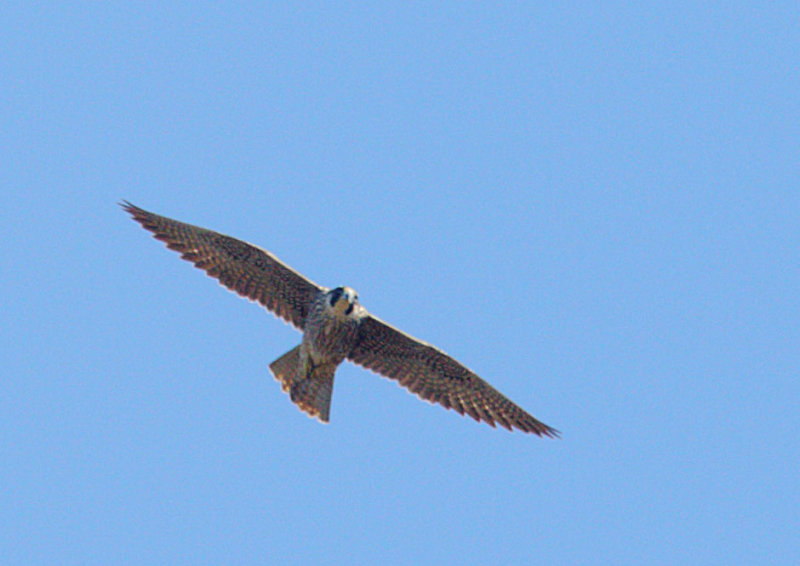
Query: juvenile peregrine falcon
(335,327)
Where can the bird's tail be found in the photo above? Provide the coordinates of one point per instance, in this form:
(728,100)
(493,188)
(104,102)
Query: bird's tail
(312,391)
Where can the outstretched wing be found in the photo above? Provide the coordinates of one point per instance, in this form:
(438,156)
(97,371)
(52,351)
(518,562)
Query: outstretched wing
(247,269)
(436,377)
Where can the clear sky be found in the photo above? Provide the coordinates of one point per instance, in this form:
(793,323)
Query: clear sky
(594,206)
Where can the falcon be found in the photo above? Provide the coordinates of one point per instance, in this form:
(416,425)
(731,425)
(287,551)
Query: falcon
(335,328)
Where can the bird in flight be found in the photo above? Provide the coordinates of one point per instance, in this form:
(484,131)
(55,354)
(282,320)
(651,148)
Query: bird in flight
(335,328)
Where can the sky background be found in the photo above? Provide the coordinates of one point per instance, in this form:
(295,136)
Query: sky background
(594,206)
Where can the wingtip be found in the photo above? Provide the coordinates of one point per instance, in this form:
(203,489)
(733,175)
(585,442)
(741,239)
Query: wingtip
(534,426)
(128,206)
(548,432)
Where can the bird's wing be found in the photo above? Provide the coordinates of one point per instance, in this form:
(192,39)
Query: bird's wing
(436,377)
(247,269)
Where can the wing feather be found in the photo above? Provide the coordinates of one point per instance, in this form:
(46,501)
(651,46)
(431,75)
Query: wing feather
(436,377)
(248,270)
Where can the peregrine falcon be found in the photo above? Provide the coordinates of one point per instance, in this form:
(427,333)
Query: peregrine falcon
(335,327)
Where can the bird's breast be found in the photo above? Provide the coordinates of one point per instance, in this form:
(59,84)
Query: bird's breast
(330,338)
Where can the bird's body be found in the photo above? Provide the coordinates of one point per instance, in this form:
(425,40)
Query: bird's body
(330,332)
(331,329)
(335,327)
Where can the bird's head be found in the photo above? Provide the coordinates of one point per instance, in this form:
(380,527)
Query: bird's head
(342,300)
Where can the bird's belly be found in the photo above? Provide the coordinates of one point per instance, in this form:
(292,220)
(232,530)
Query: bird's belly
(331,341)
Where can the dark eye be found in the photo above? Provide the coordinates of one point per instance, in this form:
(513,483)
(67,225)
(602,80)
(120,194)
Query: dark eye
(335,295)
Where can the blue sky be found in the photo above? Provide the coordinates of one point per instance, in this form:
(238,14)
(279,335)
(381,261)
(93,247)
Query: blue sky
(595,207)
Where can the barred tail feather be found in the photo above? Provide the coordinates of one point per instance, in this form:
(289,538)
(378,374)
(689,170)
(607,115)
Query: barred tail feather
(285,368)
(312,392)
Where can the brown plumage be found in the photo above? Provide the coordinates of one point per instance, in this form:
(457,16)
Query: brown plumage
(335,327)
